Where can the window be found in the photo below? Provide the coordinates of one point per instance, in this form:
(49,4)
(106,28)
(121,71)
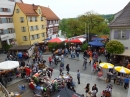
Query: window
(122,34)
(1,31)
(25,38)
(11,0)
(17,10)
(5,10)
(21,19)
(39,11)
(10,30)
(0,20)
(41,18)
(42,34)
(42,26)
(29,19)
(35,19)
(23,29)
(32,37)
(37,27)
(37,35)
(9,20)
(31,28)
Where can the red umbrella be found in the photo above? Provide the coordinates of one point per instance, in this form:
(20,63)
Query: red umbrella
(78,40)
(58,40)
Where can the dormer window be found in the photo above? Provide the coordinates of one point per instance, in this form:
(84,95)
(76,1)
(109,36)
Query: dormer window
(41,18)
(5,10)
(39,11)
(17,10)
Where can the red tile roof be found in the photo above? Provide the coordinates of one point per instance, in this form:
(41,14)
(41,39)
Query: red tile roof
(49,14)
(27,9)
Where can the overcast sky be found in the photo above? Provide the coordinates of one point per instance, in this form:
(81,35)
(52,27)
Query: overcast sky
(73,8)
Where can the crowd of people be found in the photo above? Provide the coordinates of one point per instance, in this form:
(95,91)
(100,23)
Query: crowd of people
(39,75)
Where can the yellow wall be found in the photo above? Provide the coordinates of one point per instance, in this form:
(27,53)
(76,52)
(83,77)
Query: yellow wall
(18,25)
(40,31)
(27,24)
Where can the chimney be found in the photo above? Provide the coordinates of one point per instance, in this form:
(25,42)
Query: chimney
(33,5)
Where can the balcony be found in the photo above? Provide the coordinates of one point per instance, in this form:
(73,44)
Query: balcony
(50,25)
(56,24)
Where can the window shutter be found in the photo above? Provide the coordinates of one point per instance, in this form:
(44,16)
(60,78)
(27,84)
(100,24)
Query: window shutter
(29,19)
(24,29)
(30,28)
(9,10)
(23,19)
(33,19)
(11,20)
(2,19)
(116,34)
(0,9)
(23,38)
(13,30)
(35,36)
(127,34)
(34,27)
(26,38)
(21,29)
(31,37)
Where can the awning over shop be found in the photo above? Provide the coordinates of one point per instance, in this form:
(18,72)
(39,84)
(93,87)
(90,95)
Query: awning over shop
(125,53)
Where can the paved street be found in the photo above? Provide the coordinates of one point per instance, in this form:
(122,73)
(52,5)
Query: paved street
(76,64)
(118,91)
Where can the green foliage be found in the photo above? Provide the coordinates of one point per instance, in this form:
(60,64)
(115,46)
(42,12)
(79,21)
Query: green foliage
(52,46)
(6,47)
(109,17)
(115,47)
(84,46)
(76,26)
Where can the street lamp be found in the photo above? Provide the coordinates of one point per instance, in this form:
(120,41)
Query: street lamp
(87,34)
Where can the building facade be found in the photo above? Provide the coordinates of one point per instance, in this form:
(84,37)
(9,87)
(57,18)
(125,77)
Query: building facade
(29,23)
(120,27)
(52,20)
(7,32)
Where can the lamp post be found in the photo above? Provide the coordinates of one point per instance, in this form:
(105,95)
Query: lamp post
(87,34)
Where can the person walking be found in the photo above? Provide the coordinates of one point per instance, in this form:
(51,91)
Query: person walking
(126,82)
(87,88)
(50,60)
(90,58)
(67,68)
(78,76)
(94,88)
(85,63)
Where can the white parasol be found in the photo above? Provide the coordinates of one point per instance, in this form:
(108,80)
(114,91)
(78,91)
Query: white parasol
(9,65)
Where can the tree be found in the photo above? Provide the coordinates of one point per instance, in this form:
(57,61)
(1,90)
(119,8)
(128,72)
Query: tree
(95,23)
(115,47)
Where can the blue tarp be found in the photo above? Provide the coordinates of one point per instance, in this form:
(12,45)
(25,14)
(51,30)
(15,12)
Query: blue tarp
(96,43)
(97,39)
(47,39)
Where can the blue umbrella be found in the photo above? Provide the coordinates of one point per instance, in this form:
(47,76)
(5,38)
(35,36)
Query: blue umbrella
(96,43)
(97,39)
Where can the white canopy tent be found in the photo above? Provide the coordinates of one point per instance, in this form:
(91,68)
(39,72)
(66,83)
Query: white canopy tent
(9,65)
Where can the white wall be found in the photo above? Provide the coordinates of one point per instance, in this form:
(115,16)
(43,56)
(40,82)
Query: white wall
(7,4)
(126,43)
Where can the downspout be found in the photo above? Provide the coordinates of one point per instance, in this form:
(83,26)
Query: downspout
(28,30)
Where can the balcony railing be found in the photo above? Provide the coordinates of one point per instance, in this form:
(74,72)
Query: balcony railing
(4,91)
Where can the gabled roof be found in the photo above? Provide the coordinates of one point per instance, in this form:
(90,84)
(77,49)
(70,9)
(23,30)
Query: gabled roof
(49,14)
(28,9)
(123,19)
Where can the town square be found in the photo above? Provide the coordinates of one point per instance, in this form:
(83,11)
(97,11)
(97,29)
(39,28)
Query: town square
(56,49)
